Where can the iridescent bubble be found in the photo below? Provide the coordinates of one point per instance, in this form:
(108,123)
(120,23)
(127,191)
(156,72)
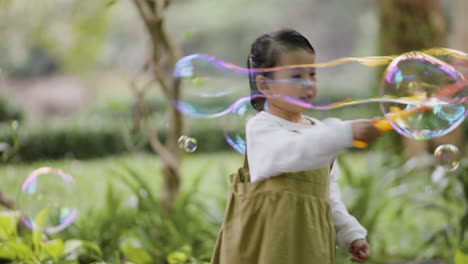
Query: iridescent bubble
(48,200)
(427,92)
(188,144)
(208,87)
(456,58)
(181,141)
(436,89)
(447,157)
(234,124)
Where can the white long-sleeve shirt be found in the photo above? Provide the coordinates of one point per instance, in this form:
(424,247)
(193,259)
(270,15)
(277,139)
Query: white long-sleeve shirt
(277,146)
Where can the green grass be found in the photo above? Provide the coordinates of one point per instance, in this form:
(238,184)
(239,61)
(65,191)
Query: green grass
(92,176)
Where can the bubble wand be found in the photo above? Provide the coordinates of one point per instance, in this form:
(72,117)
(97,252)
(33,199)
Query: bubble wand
(384,125)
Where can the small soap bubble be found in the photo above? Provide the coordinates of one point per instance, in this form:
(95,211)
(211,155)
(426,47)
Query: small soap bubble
(188,144)
(447,157)
(181,141)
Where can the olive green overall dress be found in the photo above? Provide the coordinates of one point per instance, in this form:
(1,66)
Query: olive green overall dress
(281,220)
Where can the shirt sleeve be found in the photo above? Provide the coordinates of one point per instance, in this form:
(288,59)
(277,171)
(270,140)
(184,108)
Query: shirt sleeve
(347,227)
(274,149)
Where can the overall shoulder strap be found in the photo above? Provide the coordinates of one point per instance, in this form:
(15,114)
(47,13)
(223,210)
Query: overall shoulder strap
(246,161)
(244,175)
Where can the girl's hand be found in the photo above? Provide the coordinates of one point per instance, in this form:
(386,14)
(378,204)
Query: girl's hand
(364,130)
(360,250)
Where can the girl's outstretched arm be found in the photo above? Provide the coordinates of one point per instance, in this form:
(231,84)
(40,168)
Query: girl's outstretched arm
(275,147)
(347,227)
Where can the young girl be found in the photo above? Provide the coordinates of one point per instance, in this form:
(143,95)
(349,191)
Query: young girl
(285,205)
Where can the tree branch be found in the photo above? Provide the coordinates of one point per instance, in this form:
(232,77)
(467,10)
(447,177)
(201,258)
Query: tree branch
(6,202)
(167,3)
(158,9)
(144,10)
(168,158)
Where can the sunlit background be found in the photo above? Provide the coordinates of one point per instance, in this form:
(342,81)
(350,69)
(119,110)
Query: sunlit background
(80,92)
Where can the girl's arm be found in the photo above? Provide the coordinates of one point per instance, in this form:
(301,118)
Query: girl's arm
(347,227)
(274,149)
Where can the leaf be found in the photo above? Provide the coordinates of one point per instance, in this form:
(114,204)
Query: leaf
(13,250)
(460,257)
(38,225)
(54,248)
(8,223)
(136,255)
(111,3)
(6,252)
(187,34)
(91,246)
(75,247)
(177,258)
(71,247)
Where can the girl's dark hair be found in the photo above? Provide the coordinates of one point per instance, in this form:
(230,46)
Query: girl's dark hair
(264,53)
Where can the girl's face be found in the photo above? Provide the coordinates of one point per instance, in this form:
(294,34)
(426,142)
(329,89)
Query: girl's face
(297,82)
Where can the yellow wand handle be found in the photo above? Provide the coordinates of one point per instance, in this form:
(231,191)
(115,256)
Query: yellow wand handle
(383,125)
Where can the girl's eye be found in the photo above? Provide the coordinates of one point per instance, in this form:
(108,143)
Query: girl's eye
(312,74)
(296,76)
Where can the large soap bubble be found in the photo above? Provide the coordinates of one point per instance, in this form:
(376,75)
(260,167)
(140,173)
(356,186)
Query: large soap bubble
(434,86)
(48,200)
(234,124)
(209,85)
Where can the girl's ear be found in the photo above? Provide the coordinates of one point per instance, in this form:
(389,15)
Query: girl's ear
(262,84)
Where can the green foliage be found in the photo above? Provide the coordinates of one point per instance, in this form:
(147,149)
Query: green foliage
(411,209)
(64,36)
(75,142)
(460,257)
(139,230)
(36,247)
(106,226)
(8,111)
(89,31)
(186,229)
(10,147)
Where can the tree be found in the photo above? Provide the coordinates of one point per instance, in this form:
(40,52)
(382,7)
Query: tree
(165,54)
(414,25)
(6,202)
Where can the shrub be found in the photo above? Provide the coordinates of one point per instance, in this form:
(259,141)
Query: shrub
(87,140)
(8,111)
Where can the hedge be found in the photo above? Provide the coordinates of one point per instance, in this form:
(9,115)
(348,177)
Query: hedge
(85,141)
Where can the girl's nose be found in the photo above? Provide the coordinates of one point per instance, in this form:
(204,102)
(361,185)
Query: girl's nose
(308,83)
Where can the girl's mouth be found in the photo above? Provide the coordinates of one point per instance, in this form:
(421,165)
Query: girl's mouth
(307,98)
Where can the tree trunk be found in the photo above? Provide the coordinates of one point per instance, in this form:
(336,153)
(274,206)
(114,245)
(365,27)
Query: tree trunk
(163,59)
(459,41)
(172,177)
(413,25)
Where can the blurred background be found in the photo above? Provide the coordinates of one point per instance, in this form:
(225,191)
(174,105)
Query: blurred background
(86,86)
